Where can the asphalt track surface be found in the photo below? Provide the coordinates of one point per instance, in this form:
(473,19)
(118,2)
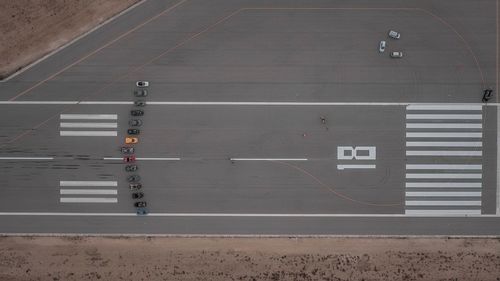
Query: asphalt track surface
(232,141)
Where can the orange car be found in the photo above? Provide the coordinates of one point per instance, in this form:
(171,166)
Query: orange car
(131,140)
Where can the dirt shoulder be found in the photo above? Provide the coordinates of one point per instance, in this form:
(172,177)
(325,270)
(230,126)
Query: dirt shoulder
(30,29)
(92,258)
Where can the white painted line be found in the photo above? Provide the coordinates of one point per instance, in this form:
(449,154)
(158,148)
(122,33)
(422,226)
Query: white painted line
(476,212)
(442,203)
(444,125)
(268,159)
(342,167)
(146,158)
(26,158)
(38,102)
(444,144)
(88,183)
(88,191)
(444,107)
(442,135)
(445,116)
(90,116)
(444,184)
(89,125)
(87,200)
(443,194)
(106,102)
(88,133)
(444,176)
(444,166)
(443,153)
(258,215)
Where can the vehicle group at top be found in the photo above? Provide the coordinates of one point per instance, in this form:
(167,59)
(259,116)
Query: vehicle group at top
(382,45)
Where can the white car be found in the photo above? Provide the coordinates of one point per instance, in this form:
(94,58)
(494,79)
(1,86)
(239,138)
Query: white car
(381,46)
(394,34)
(142,84)
(397,55)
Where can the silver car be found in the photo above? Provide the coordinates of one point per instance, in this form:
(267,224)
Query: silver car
(394,34)
(397,55)
(381,46)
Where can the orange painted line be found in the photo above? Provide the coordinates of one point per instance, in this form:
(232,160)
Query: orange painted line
(96,50)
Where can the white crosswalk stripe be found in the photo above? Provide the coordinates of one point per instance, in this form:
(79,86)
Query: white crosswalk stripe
(92,188)
(444,159)
(95,124)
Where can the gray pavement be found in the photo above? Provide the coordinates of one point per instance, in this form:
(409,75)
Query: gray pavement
(261,51)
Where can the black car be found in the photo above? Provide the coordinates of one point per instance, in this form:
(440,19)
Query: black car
(127,150)
(141,93)
(135,186)
(140,204)
(133,131)
(142,211)
(137,112)
(133,178)
(131,168)
(139,103)
(137,195)
(135,122)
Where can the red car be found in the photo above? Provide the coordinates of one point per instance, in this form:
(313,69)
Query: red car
(129,159)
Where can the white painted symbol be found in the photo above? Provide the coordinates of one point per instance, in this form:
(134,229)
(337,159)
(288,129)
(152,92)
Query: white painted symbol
(356,153)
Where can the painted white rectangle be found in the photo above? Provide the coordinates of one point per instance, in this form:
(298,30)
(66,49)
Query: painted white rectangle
(443,212)
(88,191)
(268,159)
(26,158)
(444,107)
(444,166)
(88,133)
(444,125)
(87,200)
(442,194)
(445,116)
(443,135)
(444,144)
(444,184)
(90,116)
(88,183)
(157,159)
(343,167)
(443,153)
(89,125)
(444,176)
(442,203)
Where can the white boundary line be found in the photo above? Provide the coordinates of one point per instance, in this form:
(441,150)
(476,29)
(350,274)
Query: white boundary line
(144,158)
(268,159)
(23,69)
(256,215)
(26,158)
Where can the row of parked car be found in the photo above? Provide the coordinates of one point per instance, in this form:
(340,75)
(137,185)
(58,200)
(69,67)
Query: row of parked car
(382,45)
(128,150)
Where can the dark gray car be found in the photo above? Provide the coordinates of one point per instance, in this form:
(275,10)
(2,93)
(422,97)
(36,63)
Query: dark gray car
(141,93)
(127,150)
(133,178)
(137,112)
(135,122)
(131,168)
(133,131)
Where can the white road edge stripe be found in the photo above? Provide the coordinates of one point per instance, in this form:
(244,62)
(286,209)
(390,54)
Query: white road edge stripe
(88,133)
(443,153)
(448,106)
(26,158)
(443,194)
(444,125)
(427,212)
(443,167)
(88,191)
(89,125)
(145,158)
(444,184)
(442,203)
(268,159)
(87,200)
(90,116)
(88,183)
(444,176)
(443,135)
(444,144)
(445,116)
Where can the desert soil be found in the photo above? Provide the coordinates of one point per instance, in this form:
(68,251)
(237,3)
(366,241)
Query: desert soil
(32,28)
(94,258)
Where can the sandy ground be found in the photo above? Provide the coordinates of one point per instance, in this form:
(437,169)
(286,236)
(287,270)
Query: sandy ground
(32,28)
(92,258)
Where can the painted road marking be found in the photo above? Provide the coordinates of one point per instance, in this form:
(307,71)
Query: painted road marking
(445,116)
(89,125)
(416,212)
(342,167)
(443,167)
(443,153)
(444,144)
(443,135)
(89,116)
(26,158)
(444,194)
(145,158)
(268,159)
(443,176)
(88,183)
(442,203)
(87,200)
(88,191)
(444,107)
(444,184)
(444,125)
(88,133)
